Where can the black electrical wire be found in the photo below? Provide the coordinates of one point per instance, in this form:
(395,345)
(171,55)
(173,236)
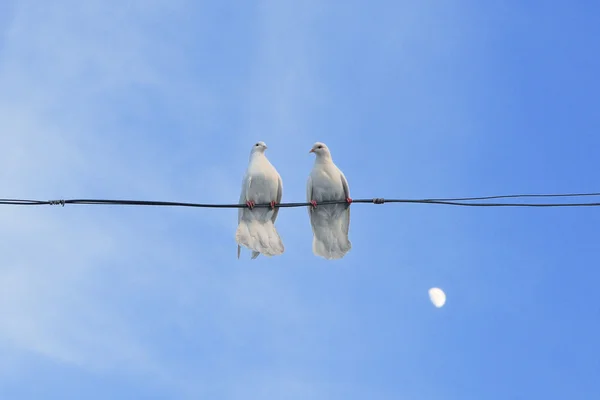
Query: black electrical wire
(459,201)
(509,196)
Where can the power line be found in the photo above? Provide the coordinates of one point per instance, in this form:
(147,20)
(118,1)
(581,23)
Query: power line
(459,201)
(512,196)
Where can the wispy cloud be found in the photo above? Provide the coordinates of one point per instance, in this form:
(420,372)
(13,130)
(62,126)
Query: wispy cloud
(61,69)
(79,91)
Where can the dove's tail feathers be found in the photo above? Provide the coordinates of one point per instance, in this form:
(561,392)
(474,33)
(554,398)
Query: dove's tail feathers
(238,251)
(330,235)
(259,236)
(330,245)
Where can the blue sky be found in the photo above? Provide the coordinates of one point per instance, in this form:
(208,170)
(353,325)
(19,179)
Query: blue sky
(162,100)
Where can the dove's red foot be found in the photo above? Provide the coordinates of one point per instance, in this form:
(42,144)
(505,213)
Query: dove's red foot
(250,204)
(272,204)
(349,200)
(313,203)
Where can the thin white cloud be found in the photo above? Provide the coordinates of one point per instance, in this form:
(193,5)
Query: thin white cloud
(68,275)
(61,63)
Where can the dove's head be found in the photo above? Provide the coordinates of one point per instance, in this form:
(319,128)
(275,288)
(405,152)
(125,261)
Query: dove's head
(259,147)
(321,150)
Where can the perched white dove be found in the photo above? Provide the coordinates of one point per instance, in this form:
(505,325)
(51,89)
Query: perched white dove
(330,222)
(261,185)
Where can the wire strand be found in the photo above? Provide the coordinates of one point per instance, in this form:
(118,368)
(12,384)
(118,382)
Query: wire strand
(459,201)
(512,196)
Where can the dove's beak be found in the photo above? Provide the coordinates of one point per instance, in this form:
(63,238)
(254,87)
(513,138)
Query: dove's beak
(311,151)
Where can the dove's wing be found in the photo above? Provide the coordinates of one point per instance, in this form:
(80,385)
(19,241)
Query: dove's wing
(345,184)
(242,200)
(241,209)
(346,219)
(278,197)
(309,192)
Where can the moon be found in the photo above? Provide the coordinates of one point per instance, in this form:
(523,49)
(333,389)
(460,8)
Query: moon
(437,297)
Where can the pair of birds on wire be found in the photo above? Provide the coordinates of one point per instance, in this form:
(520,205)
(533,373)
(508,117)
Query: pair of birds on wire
(262,185)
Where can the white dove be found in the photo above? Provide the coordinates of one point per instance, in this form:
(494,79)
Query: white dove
(261,185)
(330,222)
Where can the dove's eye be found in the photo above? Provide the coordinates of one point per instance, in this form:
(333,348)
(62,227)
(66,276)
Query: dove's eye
(320,147)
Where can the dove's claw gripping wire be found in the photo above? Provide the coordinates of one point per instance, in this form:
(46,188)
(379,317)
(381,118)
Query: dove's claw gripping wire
(349,200)
(250,204)
(313,203)
(272,205)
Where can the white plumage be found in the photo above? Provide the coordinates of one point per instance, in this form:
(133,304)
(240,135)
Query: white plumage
(330,223)
(261,184)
